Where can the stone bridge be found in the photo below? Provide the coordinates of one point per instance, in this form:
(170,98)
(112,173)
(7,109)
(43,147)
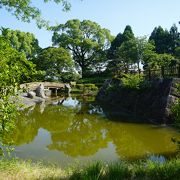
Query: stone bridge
(52,87)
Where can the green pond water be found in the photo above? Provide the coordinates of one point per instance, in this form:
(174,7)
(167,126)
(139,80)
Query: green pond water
(74,129)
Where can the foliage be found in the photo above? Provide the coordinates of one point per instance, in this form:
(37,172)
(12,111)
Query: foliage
(165,41)
(57,63)
(176,109)
(97,80)
(17,169)
(114,45)
(14,69)
(176,114)
(161,39)
(123,51)
(165,60)
(127,54)
(174,38)
(141,170)
(155,61)
(150,170)
(85,39)
(25,11)
(132,81)
(118,40)
(118,171)
(93,171)
(22,41)
(87,87)
(177,52)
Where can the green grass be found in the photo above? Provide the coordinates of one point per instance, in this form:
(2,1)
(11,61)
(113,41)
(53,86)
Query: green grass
(148,170)
(20,170)
(97,80)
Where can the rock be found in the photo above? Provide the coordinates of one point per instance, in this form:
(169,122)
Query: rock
(150,104)
(26,102)
(31,94)
(47,92)
(40,91)
(72,84)
(67,88)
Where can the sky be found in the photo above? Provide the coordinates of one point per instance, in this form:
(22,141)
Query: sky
(142,15)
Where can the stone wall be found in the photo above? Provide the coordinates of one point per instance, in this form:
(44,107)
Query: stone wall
(150,104)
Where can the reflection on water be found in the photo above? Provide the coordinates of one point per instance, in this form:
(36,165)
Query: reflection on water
(68,129)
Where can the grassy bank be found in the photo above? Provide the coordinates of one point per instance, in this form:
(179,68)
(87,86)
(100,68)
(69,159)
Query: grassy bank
(21,170)
(149,170)
(142,170)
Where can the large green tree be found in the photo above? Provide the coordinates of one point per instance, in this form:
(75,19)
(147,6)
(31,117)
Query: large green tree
(161,39)
(123,51)
(24,10)
(56,62)
(14,69)
(118,40)
(22,41)
(153,60)
(177,53)
(127,54)
(85,39)
(174,39)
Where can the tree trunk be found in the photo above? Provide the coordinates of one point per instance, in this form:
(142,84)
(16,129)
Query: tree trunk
(83,71)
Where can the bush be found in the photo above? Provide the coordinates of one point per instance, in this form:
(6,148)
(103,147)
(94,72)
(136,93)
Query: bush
(176,109)
(176,112)
(93,80)
(80,86)
(84,87)
(132,81)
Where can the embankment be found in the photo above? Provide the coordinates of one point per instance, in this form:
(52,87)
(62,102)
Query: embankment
(152,103)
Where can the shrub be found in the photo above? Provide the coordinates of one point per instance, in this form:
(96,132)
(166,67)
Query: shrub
(176,112)
(87,87)
(132,81)
(176,109)
(93,80)
(80,86)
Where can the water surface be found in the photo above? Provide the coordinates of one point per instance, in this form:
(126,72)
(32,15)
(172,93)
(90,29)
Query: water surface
(75,129)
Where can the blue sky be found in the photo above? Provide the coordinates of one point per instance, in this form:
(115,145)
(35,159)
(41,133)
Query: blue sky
(142,15)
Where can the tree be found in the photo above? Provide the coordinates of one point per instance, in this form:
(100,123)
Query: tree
(85,39)
(150,57)
(119,39)
(177,53)
(56,62)
(14,69)
(174,39)
(161,39)
(153,60)
(112,51)
(25,11)
(128,33)
(121,52)
(127,54)
(22,41)
(141,43)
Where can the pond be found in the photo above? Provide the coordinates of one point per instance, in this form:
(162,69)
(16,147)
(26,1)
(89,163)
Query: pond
(76,130)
